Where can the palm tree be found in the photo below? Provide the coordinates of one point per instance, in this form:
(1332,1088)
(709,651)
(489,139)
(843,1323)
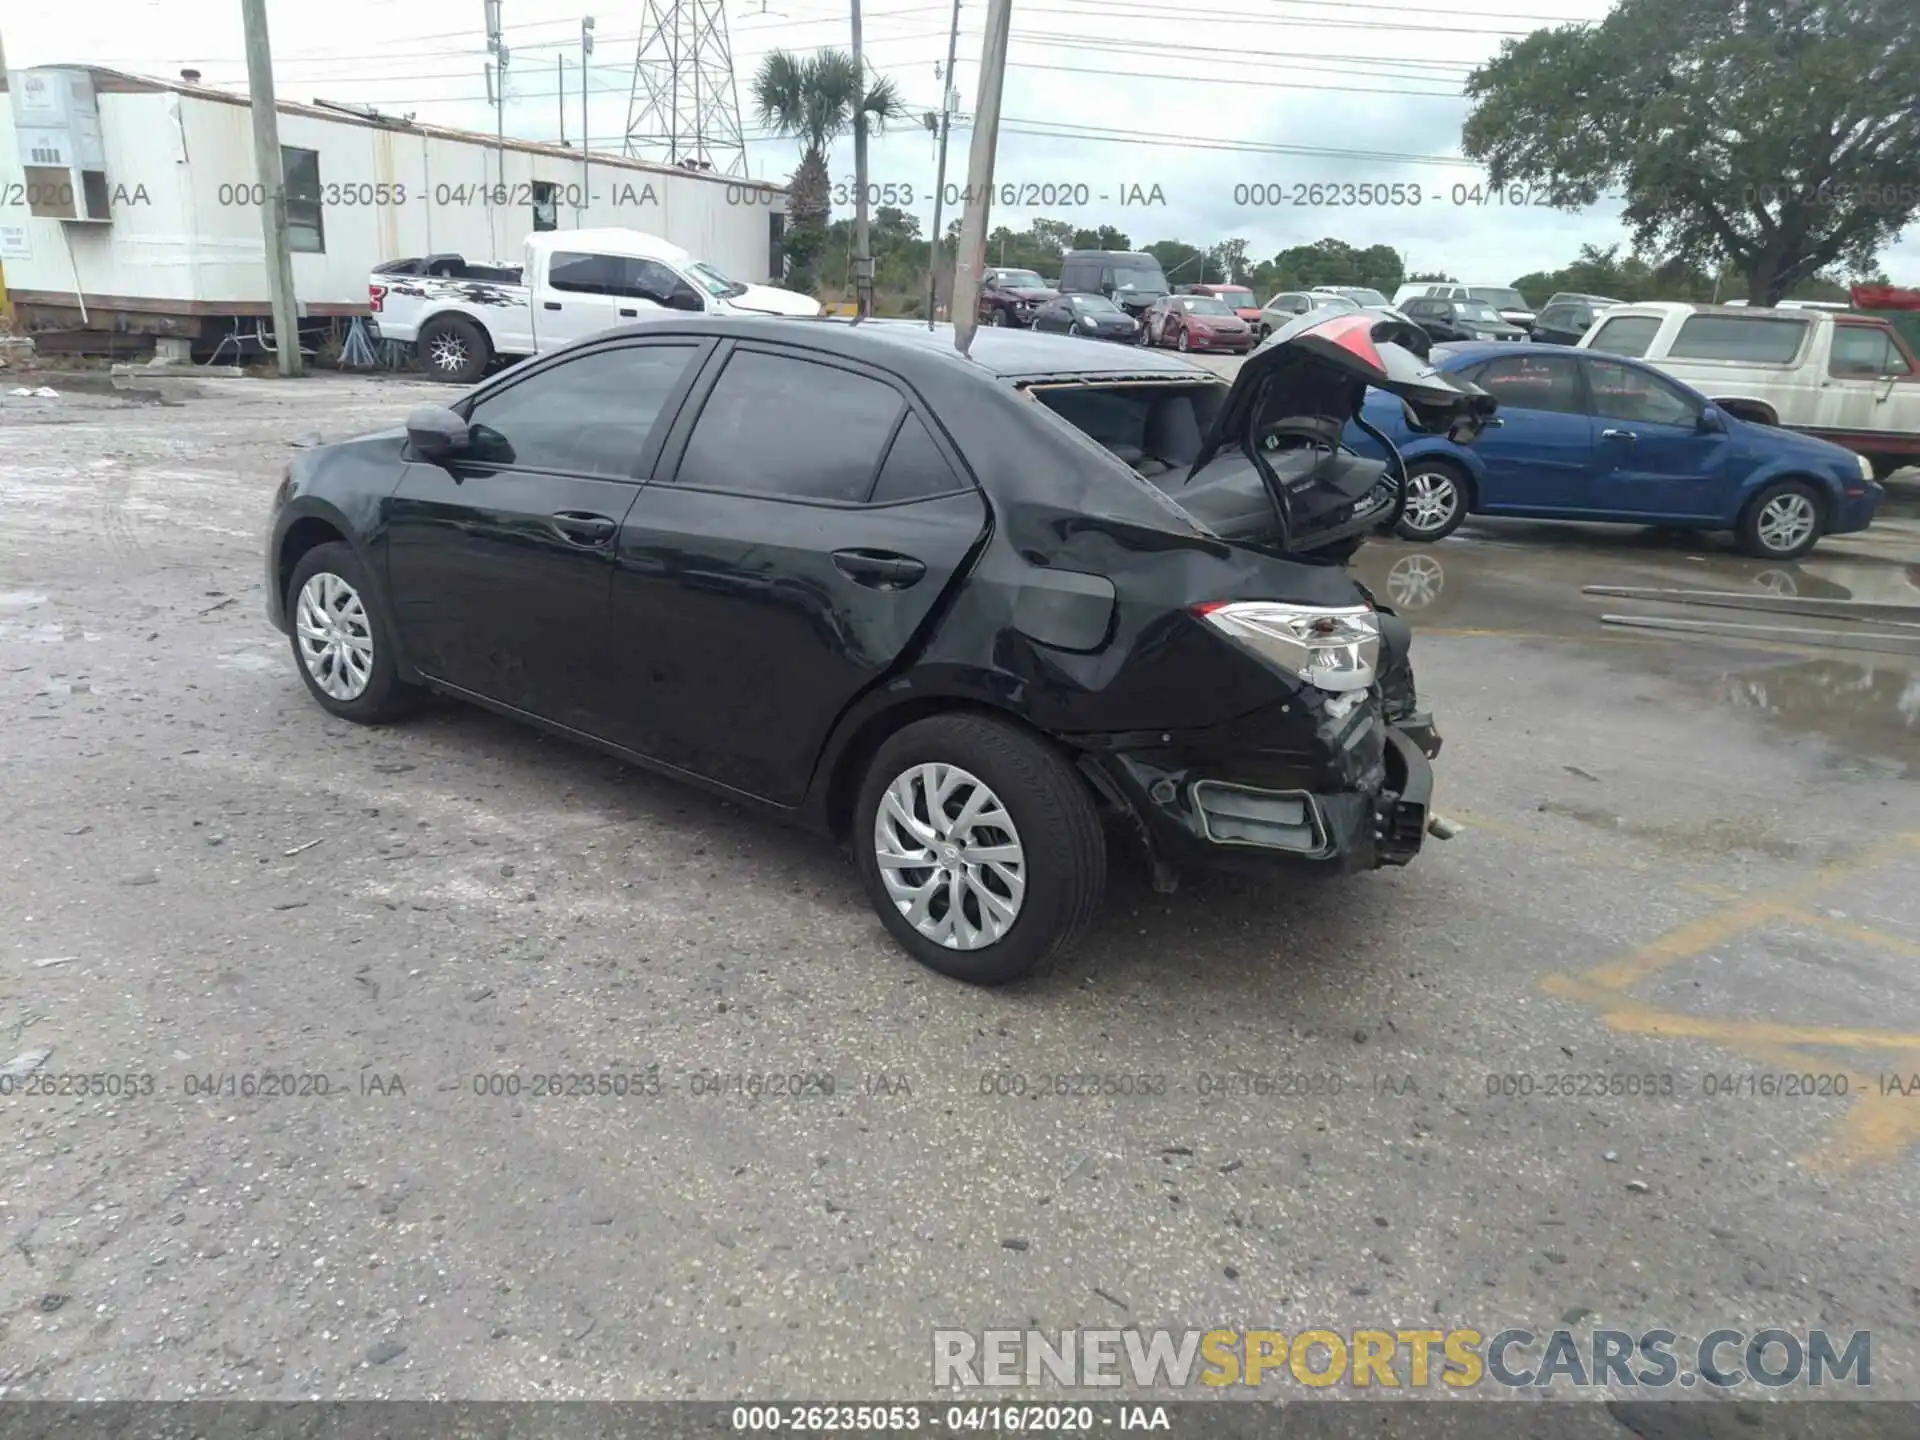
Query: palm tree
(814,99)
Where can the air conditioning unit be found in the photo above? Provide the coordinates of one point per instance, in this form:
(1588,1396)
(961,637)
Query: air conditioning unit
(64,163)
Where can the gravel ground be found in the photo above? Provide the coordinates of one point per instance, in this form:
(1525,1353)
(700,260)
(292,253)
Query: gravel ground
(1681,858)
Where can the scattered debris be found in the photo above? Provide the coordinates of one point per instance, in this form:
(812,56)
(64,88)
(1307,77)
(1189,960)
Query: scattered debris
(1014,1242)
(221,604)
(45,392)
(25,1063)
(1638,1187)
(298,849)
(385,1350)
(1441,828)
(1584,775)
(53,960)
(1110,1299)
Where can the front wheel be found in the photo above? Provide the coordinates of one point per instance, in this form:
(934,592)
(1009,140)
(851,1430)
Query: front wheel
(342,639)
(1185,344)
(1782,523)
(1436,501)
(980,847)
(996,317)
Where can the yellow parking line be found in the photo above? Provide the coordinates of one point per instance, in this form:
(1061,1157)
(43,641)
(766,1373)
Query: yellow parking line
(1698,936)
(1635,1017)
(1865,934)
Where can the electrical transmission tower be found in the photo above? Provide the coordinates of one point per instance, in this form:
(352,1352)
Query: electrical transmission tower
(685,104)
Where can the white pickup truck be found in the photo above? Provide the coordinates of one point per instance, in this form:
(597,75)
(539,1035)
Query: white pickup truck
(1847,378)
(575,283)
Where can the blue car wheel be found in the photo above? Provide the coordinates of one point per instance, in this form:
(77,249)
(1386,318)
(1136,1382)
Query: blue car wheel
(1436,500)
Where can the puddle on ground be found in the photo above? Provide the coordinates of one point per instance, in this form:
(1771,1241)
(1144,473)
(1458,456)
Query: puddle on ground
(1871,710)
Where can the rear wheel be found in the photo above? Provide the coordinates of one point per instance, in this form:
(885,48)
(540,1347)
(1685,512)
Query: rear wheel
(1781,523)
(454,348)
(979,846)
(1436,500)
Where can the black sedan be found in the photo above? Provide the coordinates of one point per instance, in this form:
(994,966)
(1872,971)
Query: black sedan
(963,614)
(1093,316)
(1460,320)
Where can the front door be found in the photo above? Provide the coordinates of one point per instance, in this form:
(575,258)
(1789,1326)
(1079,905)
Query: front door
(802,530)
(1871,386)
(1538,455)
(1656,458)
(499,559)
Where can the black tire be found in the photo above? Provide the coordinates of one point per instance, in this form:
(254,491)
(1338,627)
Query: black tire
(1064,852)
(1260,338)
(454,348)
(1752,536)
(1184,344)
(1434,470)
(385,696)
(1885,465)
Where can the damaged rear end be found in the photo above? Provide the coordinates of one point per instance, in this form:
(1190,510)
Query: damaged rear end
(1252,703)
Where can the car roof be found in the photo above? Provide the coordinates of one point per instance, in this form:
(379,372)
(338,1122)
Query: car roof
(907,346)
(1469,352)
(612,240)
(1108,255)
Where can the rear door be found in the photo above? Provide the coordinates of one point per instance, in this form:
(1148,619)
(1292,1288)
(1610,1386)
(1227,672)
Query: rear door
(499,560)
(1538,455)
(580,295)
(1654,461)
(807,518)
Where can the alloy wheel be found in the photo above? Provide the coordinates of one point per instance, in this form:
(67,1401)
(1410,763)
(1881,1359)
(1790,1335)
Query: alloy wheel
(336,638)
(949,856)
(1786,521)
(1415,582)
(1432,498)
(448,353)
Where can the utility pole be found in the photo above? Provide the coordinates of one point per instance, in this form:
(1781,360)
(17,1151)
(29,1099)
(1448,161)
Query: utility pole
(940,182)
(496,92)
(560,75)
(986,135)
(586,135)
(862,256)
(266,160)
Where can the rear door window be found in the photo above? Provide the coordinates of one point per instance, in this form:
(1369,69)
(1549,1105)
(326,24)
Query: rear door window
(1627,335)
(1533,382)
(792,429)
(1764,339)
(584,274)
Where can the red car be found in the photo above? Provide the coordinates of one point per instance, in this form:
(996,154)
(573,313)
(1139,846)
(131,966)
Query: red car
(1238,298)
(1197,322)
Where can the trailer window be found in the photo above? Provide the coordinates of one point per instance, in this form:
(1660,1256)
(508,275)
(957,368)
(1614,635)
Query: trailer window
(546,205)
(306,231)
(1628,335)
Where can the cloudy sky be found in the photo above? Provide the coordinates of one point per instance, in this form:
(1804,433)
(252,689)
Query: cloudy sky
(1199,98)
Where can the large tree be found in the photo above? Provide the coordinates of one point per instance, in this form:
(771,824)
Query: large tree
(814,98)
(1777,136)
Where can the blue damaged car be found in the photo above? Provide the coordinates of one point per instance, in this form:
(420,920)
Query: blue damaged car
(1586,436)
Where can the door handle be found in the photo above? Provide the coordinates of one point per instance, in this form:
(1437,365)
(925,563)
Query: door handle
(630,314)
(580,528)
(1618,435)
(878,569)
(551,305)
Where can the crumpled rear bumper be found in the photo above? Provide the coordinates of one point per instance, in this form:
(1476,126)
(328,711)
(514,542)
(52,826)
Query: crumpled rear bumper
(1361,807)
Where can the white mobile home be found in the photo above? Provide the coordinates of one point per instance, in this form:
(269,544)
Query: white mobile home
(130,206)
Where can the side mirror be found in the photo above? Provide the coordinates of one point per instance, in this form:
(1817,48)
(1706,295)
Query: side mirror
(1712,422)
(435,432)
(685,299)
